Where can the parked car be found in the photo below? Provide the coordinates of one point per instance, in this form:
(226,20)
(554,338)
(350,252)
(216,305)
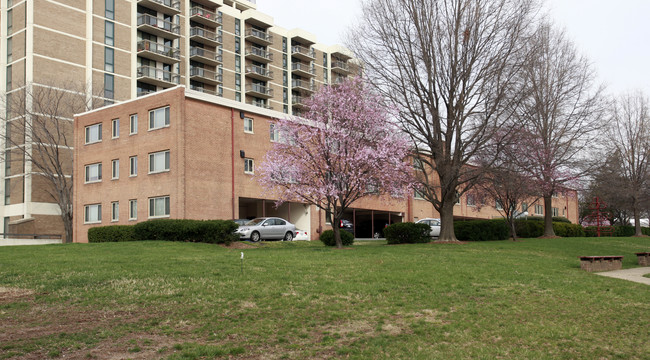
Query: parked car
(302,235)
(241,222)
(434,224)
(267,228)
(346,225)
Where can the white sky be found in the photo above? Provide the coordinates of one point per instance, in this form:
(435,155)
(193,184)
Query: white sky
(614,35)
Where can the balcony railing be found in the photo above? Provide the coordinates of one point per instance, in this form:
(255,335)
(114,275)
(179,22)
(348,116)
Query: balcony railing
(146,19)
(260,89)
(208,54)
(306,68)
(160,49)
(305,85)
(206,74)
(258,70)
(206,14)
(159,74)
(259,103)
(204,90)
(171,4)
(297,100)
(204,33)
(297,49)
(260,53)
(259,35)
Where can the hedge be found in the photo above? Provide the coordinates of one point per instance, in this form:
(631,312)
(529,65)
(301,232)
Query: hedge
(497,229)
(618,231)
(407,233)
(207,231)
(327,237)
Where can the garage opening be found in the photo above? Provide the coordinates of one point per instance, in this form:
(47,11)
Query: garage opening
(369,224)
(293,212)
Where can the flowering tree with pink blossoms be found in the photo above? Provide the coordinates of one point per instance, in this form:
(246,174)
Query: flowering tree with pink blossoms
(342,148)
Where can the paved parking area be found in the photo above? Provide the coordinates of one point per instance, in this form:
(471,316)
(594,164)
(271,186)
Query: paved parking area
(635,274)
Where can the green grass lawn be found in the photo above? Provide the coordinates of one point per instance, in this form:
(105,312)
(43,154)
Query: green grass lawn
(300,300)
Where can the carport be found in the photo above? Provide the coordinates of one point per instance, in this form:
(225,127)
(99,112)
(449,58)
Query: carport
(367,223)
(295,213)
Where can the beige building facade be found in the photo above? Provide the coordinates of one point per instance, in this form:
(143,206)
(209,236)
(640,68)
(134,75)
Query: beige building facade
(122,49)
(184,154)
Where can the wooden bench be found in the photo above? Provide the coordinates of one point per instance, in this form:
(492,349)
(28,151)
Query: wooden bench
(601,263)
(644,258)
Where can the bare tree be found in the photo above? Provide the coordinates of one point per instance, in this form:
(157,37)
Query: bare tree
(450,66)
(39,130)
(629,139)
(561,114)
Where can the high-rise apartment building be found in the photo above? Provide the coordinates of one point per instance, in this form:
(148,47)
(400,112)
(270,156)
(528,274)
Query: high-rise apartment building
(121,49)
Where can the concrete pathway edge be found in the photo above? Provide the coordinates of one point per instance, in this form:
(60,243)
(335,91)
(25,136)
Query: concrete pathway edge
(635,274)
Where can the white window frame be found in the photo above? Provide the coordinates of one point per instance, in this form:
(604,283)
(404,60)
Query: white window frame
(115,169)
(133,124)
(152,207)
(89,131)
(540,208)
(88,168)
(133,166)
(555,211)
(115,128)
(98,209)
(115,211)
(133,209)
(248,129)
(417,194)
(470,200)
(524,206)
(497,204)
(249,169)
(154,159)
(457,198)
(154,118)
(274,134)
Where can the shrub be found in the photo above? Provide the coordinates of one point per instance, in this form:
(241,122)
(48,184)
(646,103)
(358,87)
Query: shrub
(327,237)
(568,230)
(623,230)
(561,219)
(112,233)
(529,229)
(407,233)
(481,230)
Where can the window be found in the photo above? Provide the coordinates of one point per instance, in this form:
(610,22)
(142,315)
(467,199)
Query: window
(238,82)
(249,166)
(109,86)
(237,45)
(7,191)
(284,44)
(498,205)
(159,161)
(9,51)
(417,194)
(133,124)
(93,133)
(115,128)
(471,201)
(10,20)
(133,166)
(92,213)
(285,109)
(285,78)
(93,172)
(524,207)
(115,169)
(109,59)
(158,118)
(417,165)
(539,209)
(133,209)
(115,211)
(110,9)
(159,206)
(237,96)
(555,195)
(457,197)
(248,125)
(237,64)
(109,33)
(285,95)
(555,211)
(325,60)
(9,77)
(237,27)
(284,61)
(274,134)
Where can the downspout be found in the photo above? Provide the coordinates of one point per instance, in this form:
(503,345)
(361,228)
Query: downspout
(232,160)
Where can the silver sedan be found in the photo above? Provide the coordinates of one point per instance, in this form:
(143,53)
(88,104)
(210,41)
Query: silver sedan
(435,226)
(267,228)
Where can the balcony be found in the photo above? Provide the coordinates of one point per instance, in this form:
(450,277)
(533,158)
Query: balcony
(205,17)
(158,27)
(259,37)
(158,77)
(205,76)
(303,69)
(204,90)
(259,103)
(158,52)
(338,79)
(303,86)
(204,36)
(259,73)
(258,54)
(298,101)
(341,67)
(167,7)
(205,56)
(303,53)
(259,90)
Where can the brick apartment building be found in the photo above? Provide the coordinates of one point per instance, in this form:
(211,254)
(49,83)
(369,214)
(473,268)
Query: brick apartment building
(122,49)
(185,154)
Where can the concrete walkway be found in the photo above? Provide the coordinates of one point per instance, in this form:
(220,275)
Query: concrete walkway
(635,274)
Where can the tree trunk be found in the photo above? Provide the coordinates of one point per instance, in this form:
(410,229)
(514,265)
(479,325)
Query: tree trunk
(637,221)
(67,225)
(447,221)
(548,216)
(336,221)
(513,230)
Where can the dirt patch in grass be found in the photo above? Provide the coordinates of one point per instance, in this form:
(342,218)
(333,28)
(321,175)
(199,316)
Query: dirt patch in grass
(457,242)
(238,245)
(8,295)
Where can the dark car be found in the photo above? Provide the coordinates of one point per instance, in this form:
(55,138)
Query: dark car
(346,225)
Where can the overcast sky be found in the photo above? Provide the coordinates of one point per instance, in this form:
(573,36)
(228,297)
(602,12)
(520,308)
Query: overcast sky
(614,35)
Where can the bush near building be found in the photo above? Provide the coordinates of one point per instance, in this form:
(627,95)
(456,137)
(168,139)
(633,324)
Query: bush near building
(327,237)
(497,229)
(206,231)
(619,231)
(407,233)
